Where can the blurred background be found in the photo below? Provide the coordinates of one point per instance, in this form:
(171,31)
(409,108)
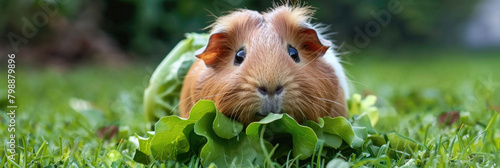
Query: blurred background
(62,33)
(92,59)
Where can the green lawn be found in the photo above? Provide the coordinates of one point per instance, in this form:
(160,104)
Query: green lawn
(63,117)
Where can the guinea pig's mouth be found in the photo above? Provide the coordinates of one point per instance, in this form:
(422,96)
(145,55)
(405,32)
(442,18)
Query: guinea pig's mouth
(269,104)
(260,115)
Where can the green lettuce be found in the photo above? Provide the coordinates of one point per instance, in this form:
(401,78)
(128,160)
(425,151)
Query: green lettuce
(161,97)
(224,142)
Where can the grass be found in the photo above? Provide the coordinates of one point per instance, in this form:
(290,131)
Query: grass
(83,117)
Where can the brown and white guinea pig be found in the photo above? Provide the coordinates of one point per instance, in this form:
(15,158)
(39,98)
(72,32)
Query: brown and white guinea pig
(273,62)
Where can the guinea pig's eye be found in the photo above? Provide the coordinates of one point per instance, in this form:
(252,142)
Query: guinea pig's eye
(293,53)
(239,57)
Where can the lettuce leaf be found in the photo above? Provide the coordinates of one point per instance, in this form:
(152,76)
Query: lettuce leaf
(221,141)
(162,95)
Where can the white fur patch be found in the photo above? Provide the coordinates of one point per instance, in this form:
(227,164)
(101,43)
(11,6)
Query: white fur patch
(331,57)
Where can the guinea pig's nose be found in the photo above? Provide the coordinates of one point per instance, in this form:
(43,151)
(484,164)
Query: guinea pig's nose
(266,91)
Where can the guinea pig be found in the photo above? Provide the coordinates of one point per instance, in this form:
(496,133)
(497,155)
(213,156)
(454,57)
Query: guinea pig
(272,62)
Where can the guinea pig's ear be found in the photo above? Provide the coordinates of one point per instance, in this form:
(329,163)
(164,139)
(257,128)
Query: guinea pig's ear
(216,47)
(313,43)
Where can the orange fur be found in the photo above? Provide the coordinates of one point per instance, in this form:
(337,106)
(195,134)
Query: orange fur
(311,88)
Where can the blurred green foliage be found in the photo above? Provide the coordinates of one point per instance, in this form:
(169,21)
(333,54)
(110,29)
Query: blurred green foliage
(150,28)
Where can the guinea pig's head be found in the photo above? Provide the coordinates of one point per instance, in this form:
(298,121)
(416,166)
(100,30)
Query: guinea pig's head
(273,62)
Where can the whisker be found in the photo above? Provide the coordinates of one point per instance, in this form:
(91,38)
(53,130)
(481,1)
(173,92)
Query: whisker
(310,101)
(300,109)
(234,113)
(328,100)
(356,82)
